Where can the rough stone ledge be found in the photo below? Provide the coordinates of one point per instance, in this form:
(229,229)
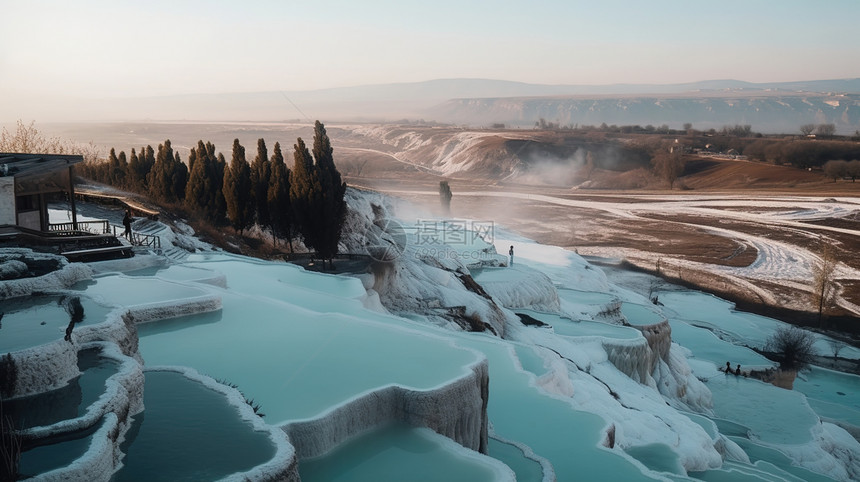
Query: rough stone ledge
(44,367)
(457,410)
(123,396)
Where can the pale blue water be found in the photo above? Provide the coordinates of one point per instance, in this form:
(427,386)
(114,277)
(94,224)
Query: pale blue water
(832,394)
(776,458)
(744,328)
(763,408)
(707,346)
(704,422)
(638,314)
(21,326)
(568,438)
(176,272)
(657,457)
(397,452)
(298,364)
(526,469)
(250,276)
(189,432)
(530,360)
(133,290)
(301,343)
(55,452)
(565,326)
(585,297)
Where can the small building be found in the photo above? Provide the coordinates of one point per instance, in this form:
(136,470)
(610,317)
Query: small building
(26,181)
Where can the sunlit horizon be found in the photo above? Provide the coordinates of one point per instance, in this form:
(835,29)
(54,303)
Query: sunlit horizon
(62,54)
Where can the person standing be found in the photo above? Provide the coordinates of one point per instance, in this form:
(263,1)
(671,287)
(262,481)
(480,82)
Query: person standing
(511,253)
(126,221)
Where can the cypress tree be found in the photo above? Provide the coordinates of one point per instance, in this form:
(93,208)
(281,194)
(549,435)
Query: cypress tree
(332,208)
(219,203)
(195,190)
(278,197)
(192,158)
(112,167)
(161,185)
(121,173)
(260,174)
(147,158)
(198,191)
(237,190)
(179,178)
(301,191)
(134,180)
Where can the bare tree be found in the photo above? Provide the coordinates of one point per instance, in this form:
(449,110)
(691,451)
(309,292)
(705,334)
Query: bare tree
(836,346)
(792,347)
(853,170)
(826,130)
(823,282)
(835,169)
(806,129)
(27,138)
(668,163)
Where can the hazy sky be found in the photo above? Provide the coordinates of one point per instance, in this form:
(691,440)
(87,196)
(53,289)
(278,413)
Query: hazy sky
(88,48)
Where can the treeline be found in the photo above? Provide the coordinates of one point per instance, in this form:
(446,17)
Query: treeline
(802,153)
(307,199)
(842,169)
(737,130)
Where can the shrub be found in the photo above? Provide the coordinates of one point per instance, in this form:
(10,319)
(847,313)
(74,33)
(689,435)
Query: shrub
(792,347)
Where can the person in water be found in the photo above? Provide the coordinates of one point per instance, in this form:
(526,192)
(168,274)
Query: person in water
(738,371)
(728,367)
(511,253)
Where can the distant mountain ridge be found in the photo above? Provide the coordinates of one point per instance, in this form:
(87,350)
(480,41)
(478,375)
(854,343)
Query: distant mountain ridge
(482,101)
(483,88)
(768,112)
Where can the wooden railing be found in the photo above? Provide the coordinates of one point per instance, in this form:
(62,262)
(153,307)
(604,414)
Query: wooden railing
(100,226)
(138,239)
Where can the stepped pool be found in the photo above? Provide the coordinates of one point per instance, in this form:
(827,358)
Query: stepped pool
(525,469)
(68,402)
(639,315)
(706,345)
(300,344)
(833,395)
(55,452)
(34,320)
(703,309)
(189,432)
(585,297)
(299,364)
(131,291)
(567,327)
(401,452)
